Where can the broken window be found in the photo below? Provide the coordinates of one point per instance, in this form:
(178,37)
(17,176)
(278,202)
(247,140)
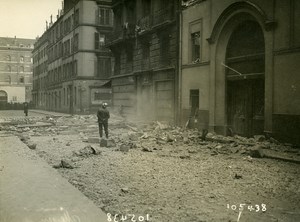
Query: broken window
(195,46)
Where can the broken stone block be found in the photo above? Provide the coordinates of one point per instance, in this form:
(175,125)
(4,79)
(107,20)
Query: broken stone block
(24,138)
(257,152)
(111,143)
(146,149)
(170,137)
(66,164)
(125,189)
(259,138)
(103,143)
(31,145)
(93,140)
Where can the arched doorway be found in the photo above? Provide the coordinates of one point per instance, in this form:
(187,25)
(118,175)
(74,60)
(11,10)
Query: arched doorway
(245,79)
(3,96)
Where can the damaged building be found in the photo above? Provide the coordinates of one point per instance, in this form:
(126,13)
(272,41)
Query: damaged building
(72,66)
(239,67)
(144,43)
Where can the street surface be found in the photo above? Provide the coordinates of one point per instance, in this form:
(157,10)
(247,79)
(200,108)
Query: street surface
(164,173)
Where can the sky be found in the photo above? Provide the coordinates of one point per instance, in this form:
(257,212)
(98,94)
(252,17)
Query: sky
(26,18)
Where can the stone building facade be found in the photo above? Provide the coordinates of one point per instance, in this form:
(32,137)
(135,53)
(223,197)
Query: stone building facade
(71,65)
(144,43)
(15,69)
(240,64)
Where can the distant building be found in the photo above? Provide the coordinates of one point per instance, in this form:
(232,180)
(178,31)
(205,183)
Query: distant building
(240,67)
(15,69)
(71,65)
(144,44)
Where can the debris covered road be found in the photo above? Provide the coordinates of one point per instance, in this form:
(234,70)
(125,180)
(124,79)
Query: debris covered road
(168,173)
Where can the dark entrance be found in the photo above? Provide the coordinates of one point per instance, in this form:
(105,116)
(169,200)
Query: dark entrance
(245,67)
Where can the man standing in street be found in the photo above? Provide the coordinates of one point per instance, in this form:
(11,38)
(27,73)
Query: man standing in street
(26,108)
(103,116)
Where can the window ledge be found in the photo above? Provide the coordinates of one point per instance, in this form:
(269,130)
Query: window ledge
(204,63)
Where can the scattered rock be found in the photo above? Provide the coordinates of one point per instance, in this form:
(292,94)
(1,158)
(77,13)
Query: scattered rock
(125,189)
(257,152)
(111,143)
(87,151)
(259,138)
(68,144)
(66,164)
(236,176)
(31,145)
(124,148)
(184,156)
(170,137)
(146,149)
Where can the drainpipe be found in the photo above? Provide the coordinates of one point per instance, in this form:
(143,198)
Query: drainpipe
(179,61)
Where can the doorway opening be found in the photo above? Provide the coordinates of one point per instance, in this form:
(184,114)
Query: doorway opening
(245,79)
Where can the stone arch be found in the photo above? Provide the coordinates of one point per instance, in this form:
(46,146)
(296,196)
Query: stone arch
(229,20)
(3,96)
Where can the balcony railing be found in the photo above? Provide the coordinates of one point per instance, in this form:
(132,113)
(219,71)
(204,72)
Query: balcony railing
(126,32)
(144,24)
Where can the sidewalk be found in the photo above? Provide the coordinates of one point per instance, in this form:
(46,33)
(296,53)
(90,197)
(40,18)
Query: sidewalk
(32,191)
(49,113)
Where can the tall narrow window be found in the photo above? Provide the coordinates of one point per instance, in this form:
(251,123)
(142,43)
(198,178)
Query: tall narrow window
(104,67)
(196,40)
(164,49)
(75,42)
(117,64)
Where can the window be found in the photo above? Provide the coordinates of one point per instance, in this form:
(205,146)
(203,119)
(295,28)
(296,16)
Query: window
(76,17)
(104,16)
(21,69)
(194,101)
(117,66)
(195,37)
(99,41)
(104,67)
(75,42)
(195,41)
(14,98)
(146,7)
(8,58)
(64,96)
(75,67)
(146,50)
(22,79)
(21,59)
(164,50)
(8,68)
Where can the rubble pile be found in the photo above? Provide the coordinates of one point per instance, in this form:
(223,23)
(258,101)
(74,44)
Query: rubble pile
(147,137)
